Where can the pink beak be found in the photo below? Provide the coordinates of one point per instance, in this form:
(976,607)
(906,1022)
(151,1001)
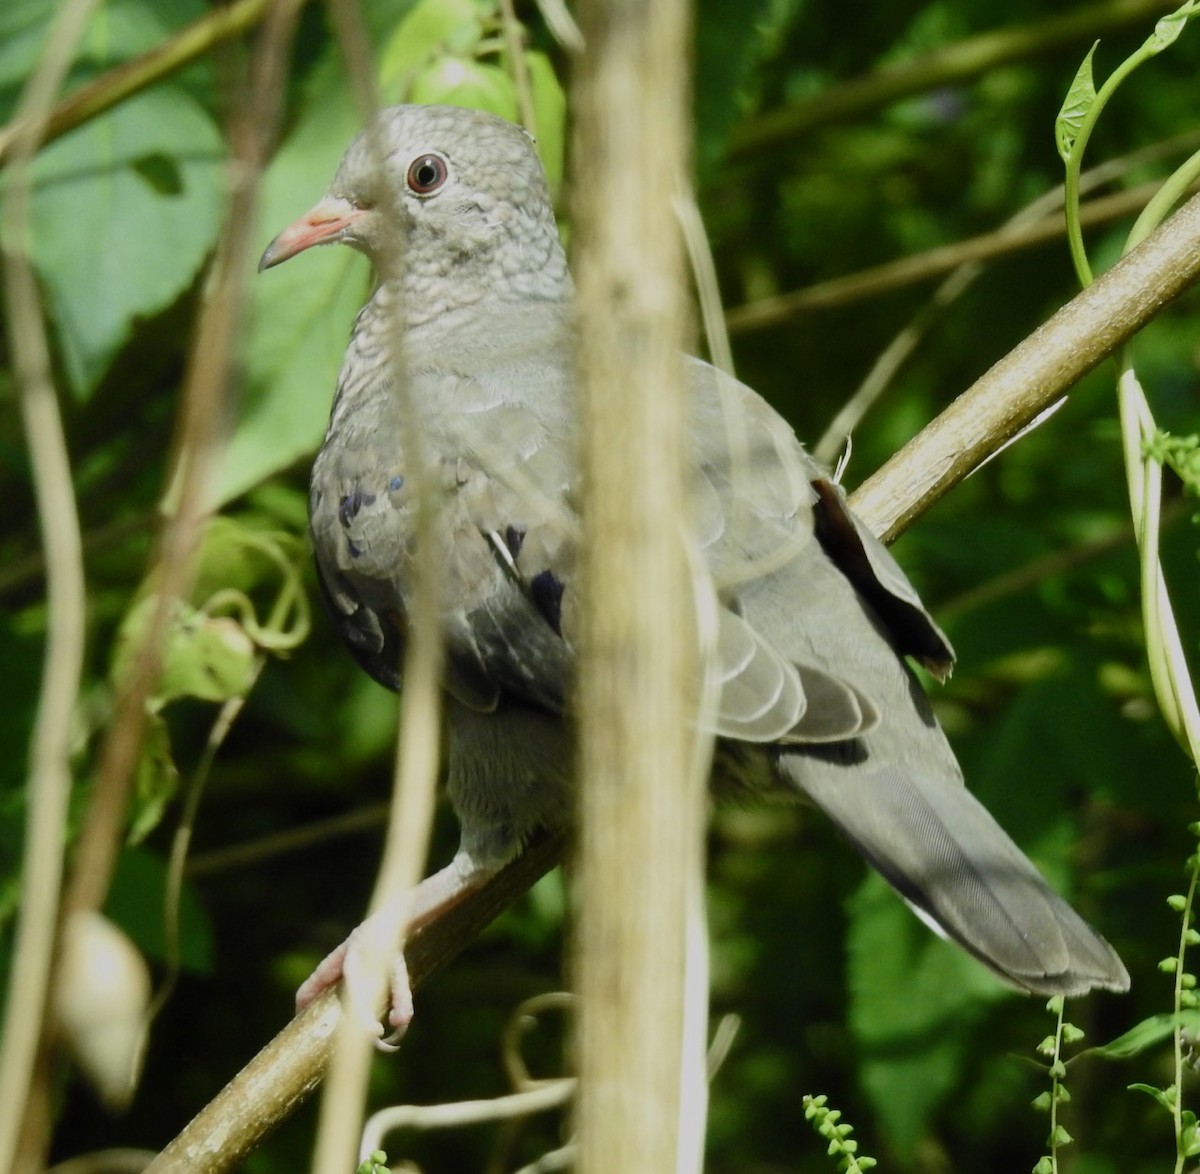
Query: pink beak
(326,221)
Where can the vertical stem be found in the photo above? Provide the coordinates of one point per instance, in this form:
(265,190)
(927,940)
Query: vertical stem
(49,775)
(639,965)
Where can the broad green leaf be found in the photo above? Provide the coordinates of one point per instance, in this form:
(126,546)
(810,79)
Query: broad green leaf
(1167,31)
(1149,1033)
(1075,107)
(459,81)
(912,1000)
(431,28)
(302,311)
(126,209)
(550,116)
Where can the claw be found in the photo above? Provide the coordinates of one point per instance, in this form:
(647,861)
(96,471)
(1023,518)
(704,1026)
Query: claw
(344,964)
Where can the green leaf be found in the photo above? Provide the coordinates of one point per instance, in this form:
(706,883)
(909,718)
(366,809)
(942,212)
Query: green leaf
(732,39)
(1157,1093)
(302,311)
(459,81)
(550,116)
(206,657)
(432,27)
(157,780)
(1189,1139)
(913,998)
(1147,1034)
(1075,107)
(1167,30)
(126,208)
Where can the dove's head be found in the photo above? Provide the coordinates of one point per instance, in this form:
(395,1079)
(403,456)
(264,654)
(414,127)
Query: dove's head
(454,200)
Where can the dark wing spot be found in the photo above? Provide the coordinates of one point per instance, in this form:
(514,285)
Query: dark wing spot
(396,484)
(349,506)
(913,631)
(547,592)
(354,550)
(514,536)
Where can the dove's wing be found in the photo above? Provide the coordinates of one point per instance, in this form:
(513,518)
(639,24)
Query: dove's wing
(820,594)
(499,470)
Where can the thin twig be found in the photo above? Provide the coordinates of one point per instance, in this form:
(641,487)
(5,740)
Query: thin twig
(1049,566)
(552,1095)
(419,737)
(262,848)
(355,45)
(223,23)
(1035,374)
(892,275)
(206,384)
(518,69)
(182,839)
(48,787)
(956,63)
(898,351)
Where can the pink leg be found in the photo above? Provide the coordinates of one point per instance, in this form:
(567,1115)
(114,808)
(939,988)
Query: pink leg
(433,895)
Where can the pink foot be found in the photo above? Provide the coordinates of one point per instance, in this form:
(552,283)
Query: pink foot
(347,962)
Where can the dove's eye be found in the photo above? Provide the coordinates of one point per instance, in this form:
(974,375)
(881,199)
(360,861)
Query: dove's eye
(426,174)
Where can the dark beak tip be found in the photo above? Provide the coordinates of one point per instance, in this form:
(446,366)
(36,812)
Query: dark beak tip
(269,259)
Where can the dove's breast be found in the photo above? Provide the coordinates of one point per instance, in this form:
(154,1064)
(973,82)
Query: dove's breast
(496,464)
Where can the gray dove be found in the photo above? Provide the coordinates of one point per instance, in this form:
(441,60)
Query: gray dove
(816,699)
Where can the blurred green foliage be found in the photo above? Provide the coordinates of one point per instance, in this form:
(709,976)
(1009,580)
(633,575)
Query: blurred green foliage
(840,991)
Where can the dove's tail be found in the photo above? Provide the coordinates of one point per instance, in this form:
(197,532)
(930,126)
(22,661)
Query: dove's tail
(949,859)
